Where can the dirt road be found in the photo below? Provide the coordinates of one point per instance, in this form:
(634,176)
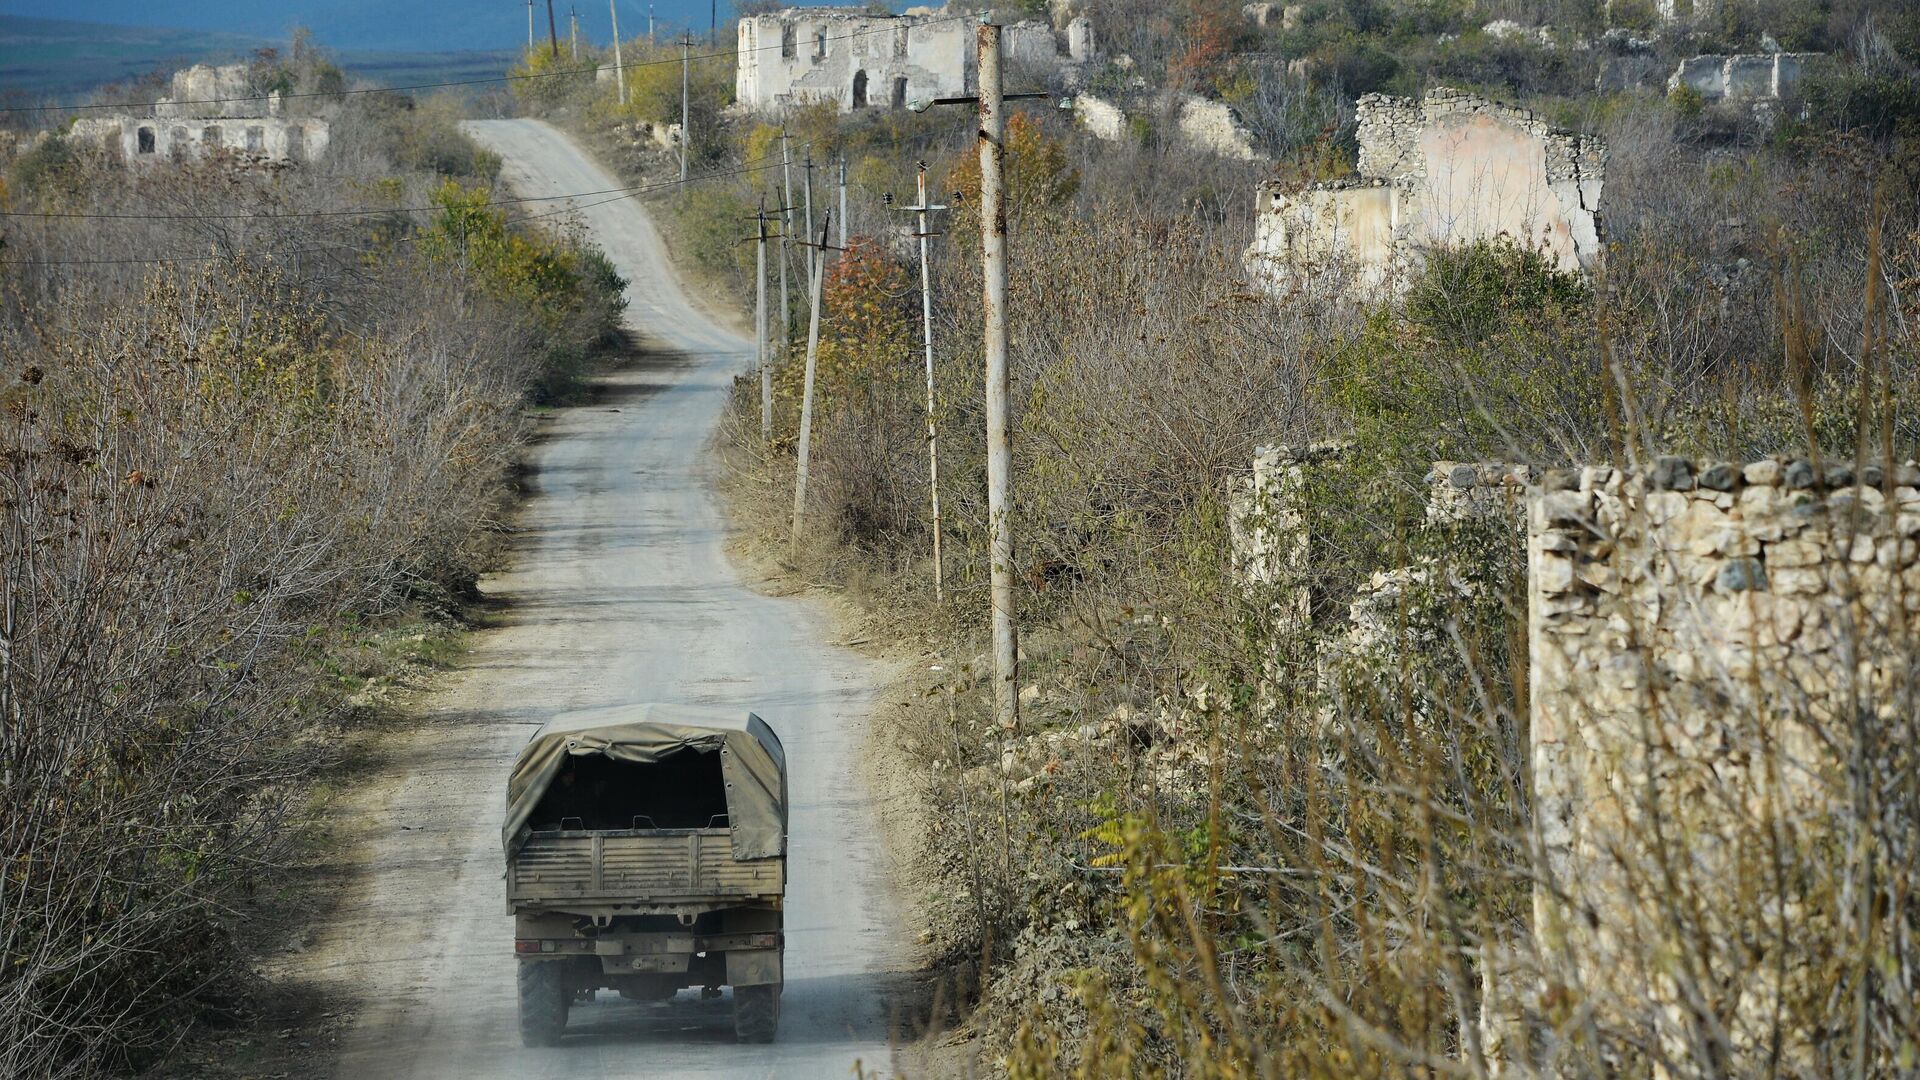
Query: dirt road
(620,592)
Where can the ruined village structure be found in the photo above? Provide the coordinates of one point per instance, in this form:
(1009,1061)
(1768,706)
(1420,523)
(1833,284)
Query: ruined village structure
(211,110)
(1707,644)
(859,60)
(1449,169)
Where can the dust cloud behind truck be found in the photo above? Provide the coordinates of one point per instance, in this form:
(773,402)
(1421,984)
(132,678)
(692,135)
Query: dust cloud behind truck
(646,853)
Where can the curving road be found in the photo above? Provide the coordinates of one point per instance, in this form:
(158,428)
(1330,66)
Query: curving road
(621,592)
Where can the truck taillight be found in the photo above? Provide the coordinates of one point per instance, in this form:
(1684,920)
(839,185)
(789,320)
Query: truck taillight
(526,945)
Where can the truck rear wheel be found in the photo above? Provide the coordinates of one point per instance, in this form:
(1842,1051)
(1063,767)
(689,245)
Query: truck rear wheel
(543,1002)
(756,1013)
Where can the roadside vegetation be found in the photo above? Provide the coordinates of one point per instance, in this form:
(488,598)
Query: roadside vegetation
(255,425)
(1236,835)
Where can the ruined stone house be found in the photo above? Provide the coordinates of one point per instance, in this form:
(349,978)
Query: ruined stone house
(859,61)
(210,110)
(1450,169)
(1744,77)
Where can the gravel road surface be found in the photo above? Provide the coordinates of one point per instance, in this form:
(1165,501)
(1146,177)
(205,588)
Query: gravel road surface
(620,592)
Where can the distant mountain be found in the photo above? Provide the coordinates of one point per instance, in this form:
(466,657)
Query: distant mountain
(414,26)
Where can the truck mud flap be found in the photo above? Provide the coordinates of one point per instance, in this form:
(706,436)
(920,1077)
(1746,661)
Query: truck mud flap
(753,967)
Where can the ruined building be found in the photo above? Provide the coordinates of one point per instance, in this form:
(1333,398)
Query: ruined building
(1450,169)
(210,110)
(859,61)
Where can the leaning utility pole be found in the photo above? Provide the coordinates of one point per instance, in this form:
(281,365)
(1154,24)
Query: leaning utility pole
(619,66)
(553,31)
(843,200)
(573,34)
(818,264)
(993,253)
(925,232)
(760,328)
(686,43)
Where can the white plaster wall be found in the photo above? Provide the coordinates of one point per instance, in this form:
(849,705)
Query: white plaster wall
(1486,178)
(194,138)
(934,57)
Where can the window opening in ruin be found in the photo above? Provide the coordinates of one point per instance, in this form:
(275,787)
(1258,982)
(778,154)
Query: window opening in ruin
(177,143)
(145,137)
(686,790)
(820,44)
(210,138)
(256,139)
(900,43)
(787,43)
(859,89)
(296,144)
(900,92)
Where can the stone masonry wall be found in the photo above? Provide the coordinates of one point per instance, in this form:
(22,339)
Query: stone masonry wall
(1706,639)
(1455,168)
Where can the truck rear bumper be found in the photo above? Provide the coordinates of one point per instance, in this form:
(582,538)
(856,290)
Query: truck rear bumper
(752,958)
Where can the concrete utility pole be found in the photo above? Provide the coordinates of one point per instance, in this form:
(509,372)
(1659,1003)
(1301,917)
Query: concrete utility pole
(529,27)
(760,329)
(786,231)
(843,201)
(993,253)
(619,66)
(809,185)
(922,209)
(818,265)
(686,43)
(649,24)
(573,34)
(553,31)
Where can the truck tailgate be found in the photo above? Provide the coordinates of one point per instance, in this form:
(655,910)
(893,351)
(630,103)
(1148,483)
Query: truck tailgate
(631,865)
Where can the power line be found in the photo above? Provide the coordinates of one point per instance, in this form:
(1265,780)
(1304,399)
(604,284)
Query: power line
(123,105)
(295,215)
(169,259)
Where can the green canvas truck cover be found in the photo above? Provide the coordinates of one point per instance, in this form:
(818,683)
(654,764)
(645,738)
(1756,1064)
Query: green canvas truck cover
(752,763)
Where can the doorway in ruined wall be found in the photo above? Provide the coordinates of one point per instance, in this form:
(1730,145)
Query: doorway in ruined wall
(859,89)
(177,143)
(144,141)
(788,44)
(899,96)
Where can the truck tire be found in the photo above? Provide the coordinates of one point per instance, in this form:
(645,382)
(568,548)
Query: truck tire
(756,1013)
(543,1002)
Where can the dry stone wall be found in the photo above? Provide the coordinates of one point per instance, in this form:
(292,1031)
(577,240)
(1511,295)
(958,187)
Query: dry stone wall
(1707,642)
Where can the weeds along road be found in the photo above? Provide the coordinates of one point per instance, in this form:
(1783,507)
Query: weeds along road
(620,592)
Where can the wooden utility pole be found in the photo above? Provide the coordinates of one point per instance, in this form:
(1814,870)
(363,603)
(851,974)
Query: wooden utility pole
(573,33)
(843,201)
(686,43)
(922,208)
(760,329)
(993,253)
(619,66)
(818,264)
(553,31)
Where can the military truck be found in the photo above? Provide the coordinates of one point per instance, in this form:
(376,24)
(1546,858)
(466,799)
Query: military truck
(646,854)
